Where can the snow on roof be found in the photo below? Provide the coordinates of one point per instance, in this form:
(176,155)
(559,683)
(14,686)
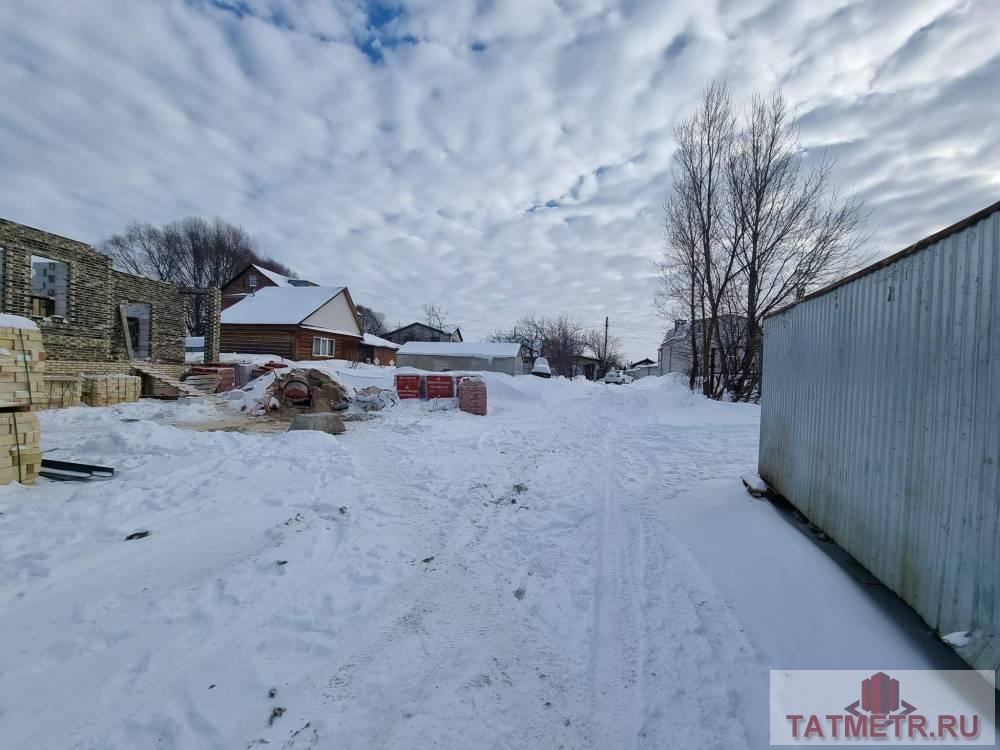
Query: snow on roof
(277,278)
(451,349)
(280,305)
(370,340)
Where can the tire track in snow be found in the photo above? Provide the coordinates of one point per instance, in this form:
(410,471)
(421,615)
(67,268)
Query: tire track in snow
(616,656)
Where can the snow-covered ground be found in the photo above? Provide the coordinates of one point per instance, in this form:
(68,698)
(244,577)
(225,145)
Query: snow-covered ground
(580,569)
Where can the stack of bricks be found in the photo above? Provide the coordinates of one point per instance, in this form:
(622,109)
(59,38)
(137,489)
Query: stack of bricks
(472,395)
(22,389)
(61,391)
(22,364)
(107,390)
(20,447)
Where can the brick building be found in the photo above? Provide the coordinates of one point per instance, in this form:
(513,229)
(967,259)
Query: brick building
(93,318)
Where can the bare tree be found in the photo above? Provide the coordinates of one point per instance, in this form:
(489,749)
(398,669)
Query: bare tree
(607,351)
(794,232)
(192,252)
(564,342)
(435,315)
(704,148)
(372,321)
(747,226)
(529,331)
(561,340)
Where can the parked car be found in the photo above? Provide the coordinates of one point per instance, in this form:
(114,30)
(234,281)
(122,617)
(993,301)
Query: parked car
(618,377)
(541,368)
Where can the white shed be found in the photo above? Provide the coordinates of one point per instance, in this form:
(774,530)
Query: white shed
(443,356)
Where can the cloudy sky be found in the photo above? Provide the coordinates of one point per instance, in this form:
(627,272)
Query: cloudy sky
(497,156)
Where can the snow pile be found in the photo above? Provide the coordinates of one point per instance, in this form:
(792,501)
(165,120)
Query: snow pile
(370,340)
(16,321)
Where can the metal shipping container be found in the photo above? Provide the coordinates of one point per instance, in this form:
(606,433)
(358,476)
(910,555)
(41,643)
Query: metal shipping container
(880,421)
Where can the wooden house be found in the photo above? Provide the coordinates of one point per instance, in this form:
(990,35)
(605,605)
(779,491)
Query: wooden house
(423,332)
(307,322)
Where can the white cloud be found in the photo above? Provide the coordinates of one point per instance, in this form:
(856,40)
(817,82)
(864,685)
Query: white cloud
(402,153)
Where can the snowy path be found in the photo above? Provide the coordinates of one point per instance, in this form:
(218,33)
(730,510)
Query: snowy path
(572,571)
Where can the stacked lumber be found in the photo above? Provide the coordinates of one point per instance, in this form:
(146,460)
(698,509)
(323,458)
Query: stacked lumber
(20,447)
(225,377)
(61,391)
(161,385)
(106,390)
(22,363)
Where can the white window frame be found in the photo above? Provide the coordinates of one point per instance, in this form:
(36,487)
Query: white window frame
(253,281)
(320,344)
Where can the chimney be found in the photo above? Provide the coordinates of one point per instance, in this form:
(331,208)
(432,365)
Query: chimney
(679,323)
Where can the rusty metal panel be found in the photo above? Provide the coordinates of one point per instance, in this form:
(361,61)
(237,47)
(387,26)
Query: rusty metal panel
(880,421)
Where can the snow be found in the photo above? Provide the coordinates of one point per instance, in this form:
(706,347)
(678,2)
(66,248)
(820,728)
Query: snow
(274,305)
(16,321)
(370,340)
(457,349)
(582,568)
(275,277)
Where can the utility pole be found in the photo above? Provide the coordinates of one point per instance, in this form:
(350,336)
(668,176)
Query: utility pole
(604,356)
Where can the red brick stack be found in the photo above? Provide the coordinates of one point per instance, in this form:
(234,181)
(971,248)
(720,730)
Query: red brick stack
(472,395)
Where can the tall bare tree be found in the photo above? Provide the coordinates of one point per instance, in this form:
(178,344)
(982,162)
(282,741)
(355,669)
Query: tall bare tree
(191,252)
(795,232)
(748,226)
(704,149)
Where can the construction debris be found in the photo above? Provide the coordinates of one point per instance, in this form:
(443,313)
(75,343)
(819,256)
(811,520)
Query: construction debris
(73,471)
(330,423)
(374,398)
(306,388)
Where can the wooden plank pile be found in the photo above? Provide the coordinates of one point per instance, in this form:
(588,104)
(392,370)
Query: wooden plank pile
(22,389)
(106,390)
(61,391)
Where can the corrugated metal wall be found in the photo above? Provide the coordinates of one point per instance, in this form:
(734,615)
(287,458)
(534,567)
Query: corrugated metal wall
(880,421)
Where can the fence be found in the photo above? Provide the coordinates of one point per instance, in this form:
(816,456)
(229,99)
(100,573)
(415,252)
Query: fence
(880,421)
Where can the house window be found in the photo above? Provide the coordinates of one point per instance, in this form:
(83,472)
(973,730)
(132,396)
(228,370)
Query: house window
(49,287)
(253,281)
(322,347)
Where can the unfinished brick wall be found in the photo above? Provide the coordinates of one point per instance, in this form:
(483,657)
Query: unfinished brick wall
(91,339)
(85,333)
(167,316)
